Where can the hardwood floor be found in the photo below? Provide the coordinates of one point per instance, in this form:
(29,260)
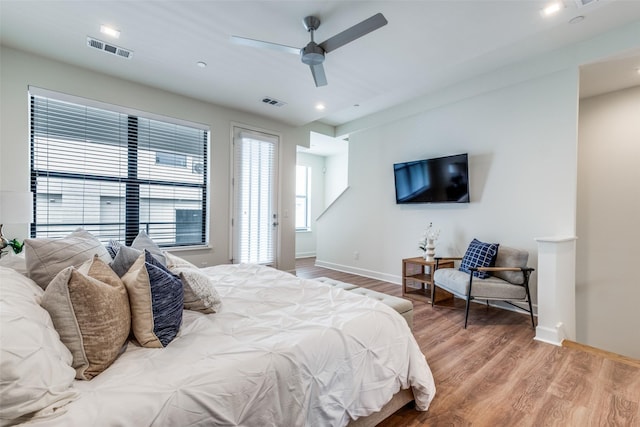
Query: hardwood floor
(495,374)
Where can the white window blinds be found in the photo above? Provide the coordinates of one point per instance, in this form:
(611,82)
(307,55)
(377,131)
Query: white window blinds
(254,180)
(115,173)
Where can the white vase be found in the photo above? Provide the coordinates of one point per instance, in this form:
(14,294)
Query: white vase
(430,252)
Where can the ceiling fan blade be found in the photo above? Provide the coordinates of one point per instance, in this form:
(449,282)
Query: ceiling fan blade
(350,34)
(262,44)
(318,75)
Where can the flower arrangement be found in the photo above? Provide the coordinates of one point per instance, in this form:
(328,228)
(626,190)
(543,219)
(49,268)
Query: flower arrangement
(16,245)
(428,242)
(429,234)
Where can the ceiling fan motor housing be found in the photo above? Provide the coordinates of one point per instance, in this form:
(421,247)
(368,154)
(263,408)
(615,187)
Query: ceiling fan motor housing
(312,54)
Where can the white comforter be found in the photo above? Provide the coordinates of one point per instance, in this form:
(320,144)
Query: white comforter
(282,351)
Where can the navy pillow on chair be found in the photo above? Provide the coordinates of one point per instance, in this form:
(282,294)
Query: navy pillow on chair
(479,254)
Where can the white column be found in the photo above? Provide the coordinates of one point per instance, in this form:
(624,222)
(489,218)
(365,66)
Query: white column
(556,289)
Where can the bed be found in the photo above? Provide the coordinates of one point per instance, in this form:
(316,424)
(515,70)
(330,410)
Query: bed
(280,351)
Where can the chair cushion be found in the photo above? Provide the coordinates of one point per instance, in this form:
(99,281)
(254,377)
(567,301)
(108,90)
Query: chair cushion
(511,257)
(479,254)
(457,282)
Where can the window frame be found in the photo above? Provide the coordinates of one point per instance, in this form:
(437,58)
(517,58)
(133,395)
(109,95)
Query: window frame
(133,183)
(307,199)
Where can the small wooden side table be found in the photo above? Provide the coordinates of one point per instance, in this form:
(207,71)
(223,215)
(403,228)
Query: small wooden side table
(419,271)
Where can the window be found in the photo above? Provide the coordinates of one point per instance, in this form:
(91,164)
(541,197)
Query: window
(303,185)
(116,172)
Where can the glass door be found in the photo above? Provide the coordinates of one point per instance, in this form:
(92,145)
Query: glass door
(254,219)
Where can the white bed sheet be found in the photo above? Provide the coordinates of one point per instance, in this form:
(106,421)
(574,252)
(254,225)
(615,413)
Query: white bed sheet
(281,351)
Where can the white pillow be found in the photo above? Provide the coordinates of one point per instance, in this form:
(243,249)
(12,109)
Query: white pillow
(35,367)
(199,291)
(48,257)
(16,262)
(143,241)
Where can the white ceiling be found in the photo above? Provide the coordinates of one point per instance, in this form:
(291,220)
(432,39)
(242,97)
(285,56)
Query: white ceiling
(426,45)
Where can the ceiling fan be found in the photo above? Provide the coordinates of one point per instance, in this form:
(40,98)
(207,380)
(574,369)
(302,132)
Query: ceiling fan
(313,54)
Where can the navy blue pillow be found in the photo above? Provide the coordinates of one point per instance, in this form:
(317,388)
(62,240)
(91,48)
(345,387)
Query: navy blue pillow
(167,299)
(479,254)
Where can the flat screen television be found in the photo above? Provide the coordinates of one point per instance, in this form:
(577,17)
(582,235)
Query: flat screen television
(437,180)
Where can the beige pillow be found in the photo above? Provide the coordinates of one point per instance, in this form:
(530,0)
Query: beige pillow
(47,257)
(90,310)
(176,261)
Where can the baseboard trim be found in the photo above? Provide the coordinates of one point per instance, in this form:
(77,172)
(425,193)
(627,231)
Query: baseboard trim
(548,335)
(304,255)
(603,353)
(360,272)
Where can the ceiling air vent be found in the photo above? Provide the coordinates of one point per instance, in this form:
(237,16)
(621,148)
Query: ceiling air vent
(272,101)
(109,48)
(583,3)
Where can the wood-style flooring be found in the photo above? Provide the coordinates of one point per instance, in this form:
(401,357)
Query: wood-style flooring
(495,374)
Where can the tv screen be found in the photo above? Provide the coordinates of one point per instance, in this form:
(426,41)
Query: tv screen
(437,180)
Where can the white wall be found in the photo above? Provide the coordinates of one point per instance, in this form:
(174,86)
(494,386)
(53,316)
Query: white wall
(306,240)
(515,161)
(18,70)
(519,126)
(336,176)
(607,284)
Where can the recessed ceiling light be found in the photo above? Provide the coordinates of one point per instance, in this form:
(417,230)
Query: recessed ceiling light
(638,70)
(320,107)
(552,8)
(201,64)
(112,32)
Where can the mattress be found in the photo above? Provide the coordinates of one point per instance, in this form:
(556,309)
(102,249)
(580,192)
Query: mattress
(281,351)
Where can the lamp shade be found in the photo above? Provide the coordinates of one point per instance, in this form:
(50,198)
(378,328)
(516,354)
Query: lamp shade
(16,207)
